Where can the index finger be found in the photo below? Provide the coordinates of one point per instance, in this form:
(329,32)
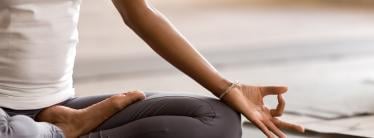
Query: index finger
(280,107)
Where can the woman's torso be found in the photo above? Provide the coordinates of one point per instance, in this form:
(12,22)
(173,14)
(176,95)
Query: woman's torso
(38,40)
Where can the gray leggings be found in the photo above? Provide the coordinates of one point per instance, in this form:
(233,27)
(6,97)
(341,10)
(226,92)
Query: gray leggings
(159,116)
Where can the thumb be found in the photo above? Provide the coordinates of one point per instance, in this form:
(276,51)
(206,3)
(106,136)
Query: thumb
(273,90)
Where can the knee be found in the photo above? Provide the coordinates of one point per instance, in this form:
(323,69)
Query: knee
(206,109)
(219,117)
(216,110)
(19,126)
(226,121)
(213,114)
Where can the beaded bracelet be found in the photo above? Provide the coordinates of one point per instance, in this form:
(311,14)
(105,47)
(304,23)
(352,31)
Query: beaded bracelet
(228,89)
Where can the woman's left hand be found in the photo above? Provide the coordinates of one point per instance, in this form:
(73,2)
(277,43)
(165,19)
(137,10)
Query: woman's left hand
(249,101)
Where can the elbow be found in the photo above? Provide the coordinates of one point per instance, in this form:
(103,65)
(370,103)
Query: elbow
(132,9)
(127,7)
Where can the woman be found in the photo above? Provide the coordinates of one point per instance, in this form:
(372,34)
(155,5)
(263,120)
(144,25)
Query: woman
(37,50)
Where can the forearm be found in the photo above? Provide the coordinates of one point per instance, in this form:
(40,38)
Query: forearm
(163,38)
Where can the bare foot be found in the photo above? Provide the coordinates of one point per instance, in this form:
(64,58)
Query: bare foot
(77,122)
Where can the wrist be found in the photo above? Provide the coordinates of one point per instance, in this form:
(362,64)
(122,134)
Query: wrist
(234,86)
(225,84)
(216,87)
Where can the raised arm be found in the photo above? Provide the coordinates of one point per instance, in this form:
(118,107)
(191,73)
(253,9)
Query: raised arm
(163,38)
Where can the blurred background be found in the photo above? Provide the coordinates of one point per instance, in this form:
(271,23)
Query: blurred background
(322,49)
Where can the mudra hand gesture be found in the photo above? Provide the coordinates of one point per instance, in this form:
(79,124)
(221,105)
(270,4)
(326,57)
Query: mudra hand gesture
(249,101)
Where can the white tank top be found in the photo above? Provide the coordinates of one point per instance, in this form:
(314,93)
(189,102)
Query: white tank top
(38,41)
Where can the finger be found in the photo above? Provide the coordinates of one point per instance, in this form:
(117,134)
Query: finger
(275,130)
(263,128)
(273,90)
(286,125)
(280,107)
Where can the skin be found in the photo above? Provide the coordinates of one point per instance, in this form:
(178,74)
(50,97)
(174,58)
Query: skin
(164,39)
(77,122)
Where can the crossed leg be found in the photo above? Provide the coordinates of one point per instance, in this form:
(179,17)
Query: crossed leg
(167,116)
(159,115)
